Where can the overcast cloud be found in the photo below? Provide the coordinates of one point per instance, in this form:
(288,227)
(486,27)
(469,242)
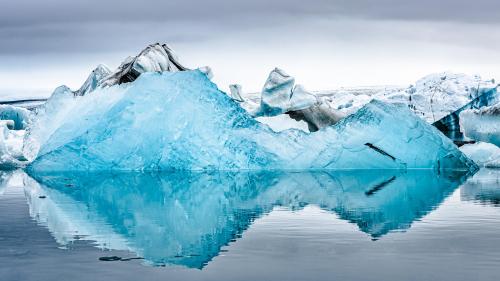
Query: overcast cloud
(323,43)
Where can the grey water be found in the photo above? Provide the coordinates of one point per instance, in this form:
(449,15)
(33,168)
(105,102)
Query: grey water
(357,225)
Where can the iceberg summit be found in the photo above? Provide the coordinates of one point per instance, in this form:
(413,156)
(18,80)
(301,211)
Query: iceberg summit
(182,121)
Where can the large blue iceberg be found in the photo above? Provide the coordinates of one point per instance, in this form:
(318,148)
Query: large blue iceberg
(181,121)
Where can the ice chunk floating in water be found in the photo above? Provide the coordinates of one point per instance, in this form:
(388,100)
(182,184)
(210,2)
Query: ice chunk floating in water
(180,120)
(19,116)
(483,154)
(279,95)
(13,122)
(482,124)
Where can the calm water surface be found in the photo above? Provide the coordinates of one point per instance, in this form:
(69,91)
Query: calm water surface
(378,225)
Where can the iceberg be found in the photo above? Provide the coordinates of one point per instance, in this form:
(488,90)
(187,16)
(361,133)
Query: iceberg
(207,70)
(186,218)
(11,147)
(236,92)
(19,116)
(48,116)
(317,116)
(450,124)
(181,121)
(283,122)
(154,58)
(437,98)
(13,122)
(347,101)
(438,95)
(482,124)
(483,154)
(279,95)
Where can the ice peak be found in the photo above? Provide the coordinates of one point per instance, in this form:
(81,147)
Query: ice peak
(278,78)
(154,58)
(94,80)
(236,92)
(101,69)
(281,95)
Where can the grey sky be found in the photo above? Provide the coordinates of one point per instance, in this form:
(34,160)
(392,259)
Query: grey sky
(358,42)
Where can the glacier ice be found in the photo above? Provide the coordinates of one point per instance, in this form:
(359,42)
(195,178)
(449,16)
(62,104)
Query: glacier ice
(94,80)
(283,122)
(13,122)
(281,95)
(11,147)
(450,124)
(482,124)
(185,218)
(483,154)
(439,98)
(317,116)
(154,58)
(181,121)
(236,92)
(438,95)
(48,116)
(207,70)
(436,98)
(21,117)
(347,101)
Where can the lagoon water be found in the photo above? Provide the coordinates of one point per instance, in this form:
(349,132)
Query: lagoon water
(353,225)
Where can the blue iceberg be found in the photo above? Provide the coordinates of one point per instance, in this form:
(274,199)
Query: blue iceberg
(182,121)
(450,124)
(20,117)
(482,124)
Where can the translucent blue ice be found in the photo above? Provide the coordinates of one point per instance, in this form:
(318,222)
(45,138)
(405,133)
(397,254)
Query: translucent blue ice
(450,124)
(181,121)
(21,116)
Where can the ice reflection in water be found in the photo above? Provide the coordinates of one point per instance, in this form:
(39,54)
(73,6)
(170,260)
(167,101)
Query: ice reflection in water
(483,188)
(185,218)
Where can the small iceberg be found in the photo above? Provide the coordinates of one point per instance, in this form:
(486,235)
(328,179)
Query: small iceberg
(482,124)
(483,154)
(13,123)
